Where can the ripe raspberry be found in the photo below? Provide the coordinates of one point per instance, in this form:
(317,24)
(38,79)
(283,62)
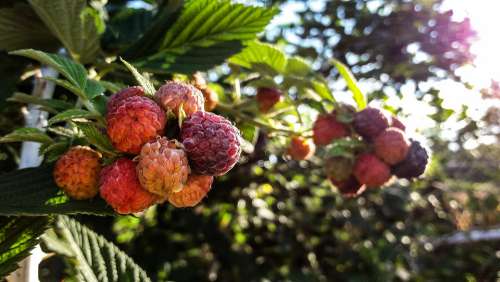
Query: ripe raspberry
(120,188)
(370,122)
(76,172)
(134,122)
(196,188)
(211,142)
(349,188)
(300,148)
(326,128)
(174,94)
(397,124)
(267,98)
(414,164)
(163,167)
(391,145)
(371,171)
(115,99)
(338,169)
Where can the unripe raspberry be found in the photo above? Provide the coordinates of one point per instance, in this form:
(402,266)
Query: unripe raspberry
(300,148)
(194,191)
(326,128)
(414,164)
(391,145)
(211,142)
(134,122)
(370,122)
(123,94)
(349,188)
(76,172)
(397,124)
(371,171)
(174,94)
(120,188)
(163,167)
(338,169)
(211,98)
(267,98)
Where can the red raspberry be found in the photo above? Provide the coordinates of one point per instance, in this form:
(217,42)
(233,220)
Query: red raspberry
(370,122)
(326,128)
(196,188)
(414,164)
(120,188)
(115,99)
(300,148)
(349,188)
(267,98)
(371,171)
(338,169)
(391,145)
(397,124)
(76,172)
(134,122)
(163,167)
(211,142)
(174,94)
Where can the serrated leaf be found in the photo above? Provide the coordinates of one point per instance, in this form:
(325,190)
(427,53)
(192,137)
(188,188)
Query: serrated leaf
(352,84)
(72,114)
(96,137)
(257,54)
(93,89)
(92,256)
(75,25)
(148,86)
(32,192)
(322,90)
(18,235)
(21,28)
(26,134)
(52,104)
(111,86)
(297,66)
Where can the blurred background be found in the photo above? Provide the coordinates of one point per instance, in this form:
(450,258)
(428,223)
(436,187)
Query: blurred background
(433,62)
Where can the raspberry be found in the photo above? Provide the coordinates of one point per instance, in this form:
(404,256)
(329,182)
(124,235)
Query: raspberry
(211,142)
(326,128)
(76,172)
(134,122)
(267,98)
(211,97)
(370,122)
(163,167)
(391,145)
(196,188)
(371,171)
(300,148)
(414,164)
(397,123)
(338,169)
(349,188)
(174,94)
(120,188)
(115,100)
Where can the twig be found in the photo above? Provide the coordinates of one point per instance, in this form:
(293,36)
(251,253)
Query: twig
(466,237)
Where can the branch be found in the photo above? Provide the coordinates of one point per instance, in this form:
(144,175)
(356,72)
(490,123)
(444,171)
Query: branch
(466,237)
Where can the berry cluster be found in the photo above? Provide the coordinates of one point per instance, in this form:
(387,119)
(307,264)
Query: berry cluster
(384,149)
(153,168)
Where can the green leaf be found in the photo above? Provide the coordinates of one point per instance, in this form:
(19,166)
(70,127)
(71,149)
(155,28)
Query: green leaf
(148,86)
(111,86)
(52,104)
(91,255)
(26,134)
(18,235)
(72,114)
(322,90)
(297,66)
(32,192)
(21,28)
(257,53)
(53,151)
(96,137)
(75,25)
(352,84)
